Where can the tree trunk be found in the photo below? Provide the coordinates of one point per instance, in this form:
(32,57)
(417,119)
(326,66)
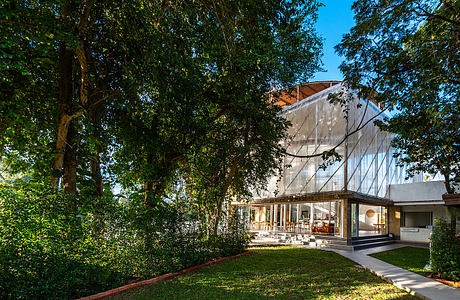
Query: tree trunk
(65,103)
(448,185)
(148,193)
(96,112)
(212,219)
(69,178)
(211,224)
(66,92)
(95,166)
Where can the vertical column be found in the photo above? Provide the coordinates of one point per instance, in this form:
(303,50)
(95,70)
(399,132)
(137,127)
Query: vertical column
(376,167)
(283,214)
(360,156)
(275,217)
(280,221)
(249,217)
(289,226)
(387,217)
(340,221)
(298,213)
(316,146)
(344,223)
(299,228)
(347,206)
(290,213)
(312,212)
(271,216)
(345,163)
(387,172)
(394,220)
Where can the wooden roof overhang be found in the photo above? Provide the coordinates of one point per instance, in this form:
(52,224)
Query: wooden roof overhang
(294,94)
(451,199)
(323,197)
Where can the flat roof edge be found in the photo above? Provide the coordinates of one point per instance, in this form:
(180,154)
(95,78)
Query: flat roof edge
(323,197)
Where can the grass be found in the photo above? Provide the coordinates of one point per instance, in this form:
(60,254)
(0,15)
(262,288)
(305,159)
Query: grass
(275,273)
(409,258)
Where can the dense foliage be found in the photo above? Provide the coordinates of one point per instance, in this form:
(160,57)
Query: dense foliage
(142,93)
(148,83)
(163,103)
(404,54)
(445,251)
(50,249)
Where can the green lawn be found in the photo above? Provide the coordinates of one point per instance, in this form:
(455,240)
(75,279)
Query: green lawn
(276,272)
(409,258)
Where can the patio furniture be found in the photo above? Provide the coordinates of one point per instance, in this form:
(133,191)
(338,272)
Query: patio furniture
(379,226)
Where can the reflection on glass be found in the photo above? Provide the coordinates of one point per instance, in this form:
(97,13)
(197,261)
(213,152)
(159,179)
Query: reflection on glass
(323,218)
(354,220)
(372,220)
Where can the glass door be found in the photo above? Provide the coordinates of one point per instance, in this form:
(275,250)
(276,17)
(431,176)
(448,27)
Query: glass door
(354,220)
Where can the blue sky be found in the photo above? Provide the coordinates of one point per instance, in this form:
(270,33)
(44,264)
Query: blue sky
(335,20)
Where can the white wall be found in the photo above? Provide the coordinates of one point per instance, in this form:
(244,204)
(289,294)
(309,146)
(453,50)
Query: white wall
(421,234)
(415,234)
(408,193)
(366,223)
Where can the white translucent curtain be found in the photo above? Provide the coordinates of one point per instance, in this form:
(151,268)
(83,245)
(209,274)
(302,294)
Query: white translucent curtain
(318,125)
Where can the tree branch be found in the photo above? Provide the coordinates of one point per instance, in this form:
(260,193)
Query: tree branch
(425,13)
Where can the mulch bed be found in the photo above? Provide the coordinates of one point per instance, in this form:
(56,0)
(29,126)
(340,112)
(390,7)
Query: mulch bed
(155,280)
(455,284)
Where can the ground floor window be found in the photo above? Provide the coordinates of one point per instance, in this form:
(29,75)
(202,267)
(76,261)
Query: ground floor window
(308,217)
(417,219)
(372,220)
(322,218)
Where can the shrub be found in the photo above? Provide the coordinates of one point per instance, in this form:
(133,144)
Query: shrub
(47,247)
(56,246)
(445,251)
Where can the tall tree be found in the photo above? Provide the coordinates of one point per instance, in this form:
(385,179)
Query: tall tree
(241,152)
(143,88)
(28,84)
(65,61)
(235,54)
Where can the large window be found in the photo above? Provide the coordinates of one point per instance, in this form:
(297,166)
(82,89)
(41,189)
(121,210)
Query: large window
(417,219)
(372,219)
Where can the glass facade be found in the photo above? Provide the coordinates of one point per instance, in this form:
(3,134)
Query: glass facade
(318,125)
(313,217)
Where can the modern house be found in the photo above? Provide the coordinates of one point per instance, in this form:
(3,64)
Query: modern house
(364,198)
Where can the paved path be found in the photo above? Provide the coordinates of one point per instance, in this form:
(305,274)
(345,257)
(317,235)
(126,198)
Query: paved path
(418,285)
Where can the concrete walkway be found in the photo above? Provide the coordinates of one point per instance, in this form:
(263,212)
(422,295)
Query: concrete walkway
(417,285)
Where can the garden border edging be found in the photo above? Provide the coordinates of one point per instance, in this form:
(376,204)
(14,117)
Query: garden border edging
(155,280)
